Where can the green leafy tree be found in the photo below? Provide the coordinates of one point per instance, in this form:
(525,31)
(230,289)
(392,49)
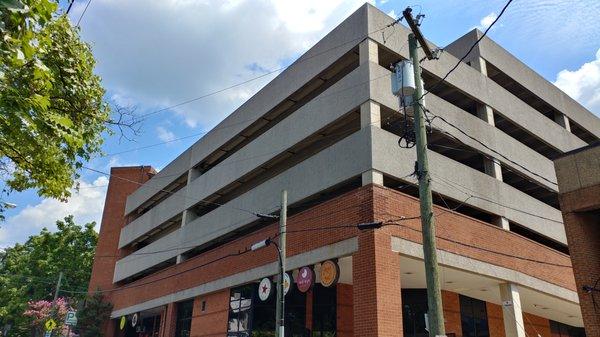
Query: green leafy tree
(92,317)
(28,271)
(52,109)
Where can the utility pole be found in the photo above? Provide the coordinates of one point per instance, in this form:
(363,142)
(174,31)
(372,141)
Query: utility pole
(60,276)
(434,294)
(280,305)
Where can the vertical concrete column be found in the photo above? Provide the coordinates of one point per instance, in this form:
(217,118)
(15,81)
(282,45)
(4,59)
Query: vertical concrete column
(370,115)
(188,215)
(492,166)
(480,64)
(562,120)
(368,51)
(511,310)
(376,286)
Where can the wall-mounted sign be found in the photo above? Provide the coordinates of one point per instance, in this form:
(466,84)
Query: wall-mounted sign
(287,282)
(305,279)
(122,322)
(330,273)
(134,320)
(264,289)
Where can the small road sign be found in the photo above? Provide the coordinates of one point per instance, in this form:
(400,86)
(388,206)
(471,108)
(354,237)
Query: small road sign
(50,325)
(71,318)
(48,334)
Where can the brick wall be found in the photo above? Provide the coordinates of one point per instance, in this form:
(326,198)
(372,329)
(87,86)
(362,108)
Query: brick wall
(212,321)
(345,311)
(581,214)
(121,184)
(451,306)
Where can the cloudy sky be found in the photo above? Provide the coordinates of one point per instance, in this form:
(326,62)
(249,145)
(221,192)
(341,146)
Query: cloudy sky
(154,54)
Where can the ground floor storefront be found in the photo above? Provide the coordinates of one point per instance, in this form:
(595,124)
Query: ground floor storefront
(322,305)
(495,283)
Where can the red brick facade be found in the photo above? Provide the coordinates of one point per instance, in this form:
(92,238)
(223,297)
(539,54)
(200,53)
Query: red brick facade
(372,306)
(581,213)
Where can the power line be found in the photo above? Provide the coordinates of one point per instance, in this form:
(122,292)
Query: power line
(470,192)
(82,13)
(298,61)
(487,147)
(468,52)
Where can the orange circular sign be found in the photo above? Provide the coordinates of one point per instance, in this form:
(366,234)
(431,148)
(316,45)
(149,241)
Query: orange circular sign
(330,273)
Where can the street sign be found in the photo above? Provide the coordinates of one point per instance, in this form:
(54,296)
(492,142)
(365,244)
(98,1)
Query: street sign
(48,334)
(50,325)
(71,318)
(122,322)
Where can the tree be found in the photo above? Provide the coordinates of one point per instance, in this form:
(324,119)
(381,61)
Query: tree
(41,311)
(28,272)
(52,109)
(92,317)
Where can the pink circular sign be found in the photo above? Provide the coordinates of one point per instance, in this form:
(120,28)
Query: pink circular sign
(305,279)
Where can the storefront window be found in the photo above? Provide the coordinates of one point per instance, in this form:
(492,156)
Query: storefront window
(414,308)
(184,318)
(473,315)
(324,311)
(240,311)
(249,316)
(563,330)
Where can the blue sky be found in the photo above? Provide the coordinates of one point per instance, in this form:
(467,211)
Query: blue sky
(154,54)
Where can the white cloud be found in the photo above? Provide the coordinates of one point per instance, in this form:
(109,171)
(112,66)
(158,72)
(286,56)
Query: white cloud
(392,13)
(583,84)
(487,21)
(164,134)
(159,53)
(85,205)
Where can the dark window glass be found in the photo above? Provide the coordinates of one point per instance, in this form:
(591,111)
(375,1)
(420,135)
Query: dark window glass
(240,311)
(324,311)
(249,316)
(185,311)
(414,308)
(563,330)
(473,315)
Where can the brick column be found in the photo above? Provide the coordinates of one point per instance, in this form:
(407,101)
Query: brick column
(344,319)
(169,320)
(376,286)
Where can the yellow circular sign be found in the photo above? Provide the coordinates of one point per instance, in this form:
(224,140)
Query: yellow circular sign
(50,325)
(122,322)
(330,272)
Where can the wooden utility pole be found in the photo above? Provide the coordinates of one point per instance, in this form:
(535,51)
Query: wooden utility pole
(434,294)
(280,305)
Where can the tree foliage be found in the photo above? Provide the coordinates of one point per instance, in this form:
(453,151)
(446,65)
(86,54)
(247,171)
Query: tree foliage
(52,108)
(93,316)
(28,272)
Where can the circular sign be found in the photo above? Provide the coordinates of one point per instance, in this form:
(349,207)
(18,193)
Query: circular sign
(264,289)
(122,322)
(305,279)
(330,273)
(134,320)
(50,325)
(287,282)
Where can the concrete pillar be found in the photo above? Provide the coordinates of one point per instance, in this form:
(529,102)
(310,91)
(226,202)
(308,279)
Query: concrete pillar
(372,177)
(511,310)
(368,51)
(376,286)
(370,114)
(493,168)
(562,120)
(479,64)
(486,113)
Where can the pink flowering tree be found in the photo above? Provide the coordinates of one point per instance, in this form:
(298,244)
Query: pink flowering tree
(41,311)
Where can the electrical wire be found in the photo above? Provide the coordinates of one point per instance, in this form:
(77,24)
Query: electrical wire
(298,61)
(83,13)
(468,52)
(456,186)
(487,147)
